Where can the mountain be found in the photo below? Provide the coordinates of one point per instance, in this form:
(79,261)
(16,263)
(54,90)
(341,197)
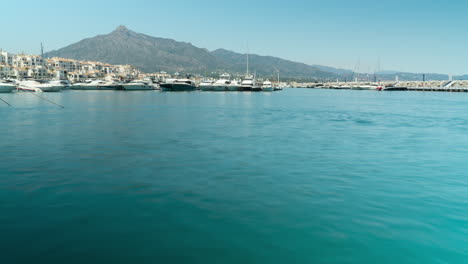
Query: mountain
(149,54)
(152,54)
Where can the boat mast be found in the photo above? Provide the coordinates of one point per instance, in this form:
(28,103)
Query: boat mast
(247,59)
(247,63)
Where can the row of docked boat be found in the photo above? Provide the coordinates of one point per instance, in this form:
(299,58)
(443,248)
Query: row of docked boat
(374,87)
(136,85)
(7,86)
(224,83)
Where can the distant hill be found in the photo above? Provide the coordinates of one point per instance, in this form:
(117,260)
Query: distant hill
(151,54)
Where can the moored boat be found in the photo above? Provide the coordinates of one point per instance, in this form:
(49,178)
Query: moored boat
(223,83)
(247,84)
(177,85)
(7,87)
(364,87)
(234,85)
(267,86)
(206,85)
(36,86)
(394,88)
(94,85)
(135,86)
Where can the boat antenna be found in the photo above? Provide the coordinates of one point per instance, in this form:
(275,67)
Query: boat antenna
(42,51)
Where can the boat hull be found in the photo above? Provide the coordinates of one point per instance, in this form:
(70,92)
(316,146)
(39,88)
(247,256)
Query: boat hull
(364,88)
(138,87)
(220,88)
(7,88)
(52,89)
(245,88)
(108,87)
(256,89)
(267,89)
(177,87)
(395,89)
(84,87)
(206,88)
(233,88)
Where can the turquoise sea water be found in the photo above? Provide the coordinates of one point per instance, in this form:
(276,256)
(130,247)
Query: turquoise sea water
(298,176)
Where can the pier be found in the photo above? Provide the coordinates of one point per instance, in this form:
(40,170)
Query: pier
(457,86)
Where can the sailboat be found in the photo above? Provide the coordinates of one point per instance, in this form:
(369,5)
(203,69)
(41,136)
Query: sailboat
(249,81)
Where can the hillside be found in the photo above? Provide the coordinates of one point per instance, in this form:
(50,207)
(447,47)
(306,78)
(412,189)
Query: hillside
(149,54)
(152,54)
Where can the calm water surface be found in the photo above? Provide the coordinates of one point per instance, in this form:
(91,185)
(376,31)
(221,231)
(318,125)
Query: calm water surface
(298,176)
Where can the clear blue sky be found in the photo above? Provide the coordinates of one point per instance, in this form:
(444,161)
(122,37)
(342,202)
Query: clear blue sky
(417,36)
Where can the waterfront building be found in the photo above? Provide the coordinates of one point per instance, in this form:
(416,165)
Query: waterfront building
(66,65)
(6,58)
(34,66)
(39,72)
(5,71)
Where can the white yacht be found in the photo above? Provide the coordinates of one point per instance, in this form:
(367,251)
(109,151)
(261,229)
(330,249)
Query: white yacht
(36,86)
(7,87)
(86,85)
(64,83)
(247,84)
(135,86)
(95,85)
(223,83)
(267,86)
(364,87)
(234,85)
(206,85)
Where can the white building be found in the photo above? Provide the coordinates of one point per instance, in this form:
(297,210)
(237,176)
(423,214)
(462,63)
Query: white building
(39,72)
(6,58)
(66,65)
(5,71)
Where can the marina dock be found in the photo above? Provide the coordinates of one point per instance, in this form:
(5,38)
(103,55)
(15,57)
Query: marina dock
(458,86)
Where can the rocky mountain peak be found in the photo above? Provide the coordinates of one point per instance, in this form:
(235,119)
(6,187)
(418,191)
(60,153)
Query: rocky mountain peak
(121,28)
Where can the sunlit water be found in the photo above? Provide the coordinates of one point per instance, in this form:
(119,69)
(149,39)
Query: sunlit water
(298,176)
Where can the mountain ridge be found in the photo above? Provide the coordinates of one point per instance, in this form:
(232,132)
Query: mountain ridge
(152,54)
